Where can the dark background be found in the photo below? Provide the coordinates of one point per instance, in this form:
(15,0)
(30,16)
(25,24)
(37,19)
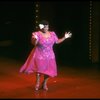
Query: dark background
(17,22)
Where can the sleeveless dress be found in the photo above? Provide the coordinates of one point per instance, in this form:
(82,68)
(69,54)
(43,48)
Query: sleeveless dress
(42,58)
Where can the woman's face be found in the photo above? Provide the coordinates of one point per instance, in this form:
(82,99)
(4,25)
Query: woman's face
(46,28)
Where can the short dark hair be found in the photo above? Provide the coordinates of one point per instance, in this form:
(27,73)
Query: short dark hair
(44,22)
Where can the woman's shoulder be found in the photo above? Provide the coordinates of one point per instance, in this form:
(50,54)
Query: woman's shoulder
(52,32)
(35,32)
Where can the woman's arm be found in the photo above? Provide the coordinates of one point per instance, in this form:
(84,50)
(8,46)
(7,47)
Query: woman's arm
(67,35)
(60,40)
(34,39)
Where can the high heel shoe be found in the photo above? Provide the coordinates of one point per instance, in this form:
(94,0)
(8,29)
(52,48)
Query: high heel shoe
(45,87)
(37,87)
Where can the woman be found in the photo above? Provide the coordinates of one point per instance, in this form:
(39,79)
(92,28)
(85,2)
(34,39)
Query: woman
(42,58)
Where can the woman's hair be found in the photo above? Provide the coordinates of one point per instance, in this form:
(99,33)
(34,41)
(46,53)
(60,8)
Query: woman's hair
(44,22)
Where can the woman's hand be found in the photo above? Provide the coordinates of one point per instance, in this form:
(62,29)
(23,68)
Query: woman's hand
(34,36)
(34,39)
(68,35)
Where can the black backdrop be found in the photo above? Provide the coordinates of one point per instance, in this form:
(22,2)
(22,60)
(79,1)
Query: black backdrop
(17,22)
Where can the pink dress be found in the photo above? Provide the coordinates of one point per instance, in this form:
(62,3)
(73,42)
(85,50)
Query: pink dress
(42,57)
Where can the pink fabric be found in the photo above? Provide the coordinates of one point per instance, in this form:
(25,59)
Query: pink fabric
(42,57)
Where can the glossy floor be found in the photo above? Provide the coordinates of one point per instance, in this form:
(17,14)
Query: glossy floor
(71,82)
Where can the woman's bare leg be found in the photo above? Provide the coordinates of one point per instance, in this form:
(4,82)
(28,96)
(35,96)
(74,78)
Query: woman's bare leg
(46,77)
(37,81)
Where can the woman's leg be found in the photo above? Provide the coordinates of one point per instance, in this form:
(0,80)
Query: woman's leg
(37,81)
(46,77)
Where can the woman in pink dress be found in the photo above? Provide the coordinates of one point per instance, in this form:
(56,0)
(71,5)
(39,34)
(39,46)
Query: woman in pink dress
(42,58)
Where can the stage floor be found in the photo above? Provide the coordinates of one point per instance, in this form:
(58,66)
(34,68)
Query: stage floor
(71,82)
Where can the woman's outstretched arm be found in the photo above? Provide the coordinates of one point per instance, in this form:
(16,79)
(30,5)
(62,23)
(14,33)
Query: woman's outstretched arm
(67,35)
